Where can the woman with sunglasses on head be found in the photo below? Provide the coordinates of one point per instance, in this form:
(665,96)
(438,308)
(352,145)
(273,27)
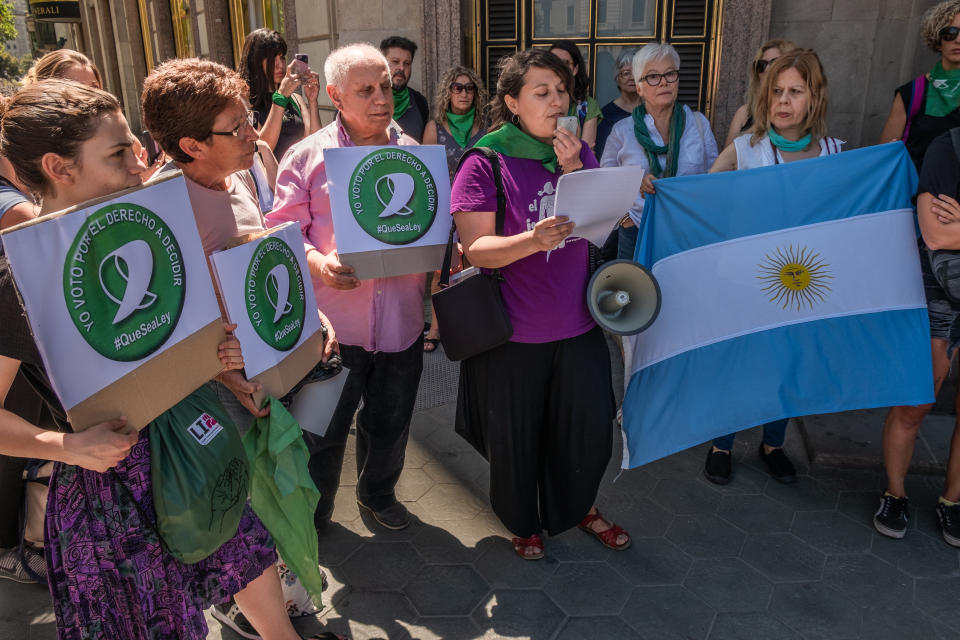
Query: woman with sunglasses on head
(929,105)
(663,136)
(766,54)
(582,105)
(460,116)
(790,111)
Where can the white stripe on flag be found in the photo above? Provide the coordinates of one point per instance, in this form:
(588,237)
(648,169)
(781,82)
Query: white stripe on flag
(801,274)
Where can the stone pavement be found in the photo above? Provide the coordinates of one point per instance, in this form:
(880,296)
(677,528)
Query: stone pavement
(752,560)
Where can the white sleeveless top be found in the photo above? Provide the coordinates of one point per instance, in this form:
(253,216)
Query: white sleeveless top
(761,154)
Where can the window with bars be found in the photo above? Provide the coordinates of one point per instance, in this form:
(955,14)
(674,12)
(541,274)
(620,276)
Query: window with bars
(603,29)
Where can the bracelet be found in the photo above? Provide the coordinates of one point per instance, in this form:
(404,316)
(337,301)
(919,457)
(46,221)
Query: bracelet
(280,100)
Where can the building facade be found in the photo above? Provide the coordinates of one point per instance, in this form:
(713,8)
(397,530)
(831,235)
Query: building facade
(868,47)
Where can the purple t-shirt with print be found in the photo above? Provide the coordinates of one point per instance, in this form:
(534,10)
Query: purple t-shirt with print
(544,294)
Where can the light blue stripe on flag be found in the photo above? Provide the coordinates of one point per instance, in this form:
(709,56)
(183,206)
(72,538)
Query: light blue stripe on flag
(816,364)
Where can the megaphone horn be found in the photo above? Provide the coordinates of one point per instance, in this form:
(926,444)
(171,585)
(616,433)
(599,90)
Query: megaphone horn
(623,297)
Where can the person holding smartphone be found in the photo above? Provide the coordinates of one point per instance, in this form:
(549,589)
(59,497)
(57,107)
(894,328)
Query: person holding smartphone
(283,116)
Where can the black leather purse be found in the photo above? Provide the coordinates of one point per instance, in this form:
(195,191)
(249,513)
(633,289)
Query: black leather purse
(470,311)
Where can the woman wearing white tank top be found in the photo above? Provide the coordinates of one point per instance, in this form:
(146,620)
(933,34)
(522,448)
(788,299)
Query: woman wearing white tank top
(790,125)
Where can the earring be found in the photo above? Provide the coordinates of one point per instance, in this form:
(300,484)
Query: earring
(515,119)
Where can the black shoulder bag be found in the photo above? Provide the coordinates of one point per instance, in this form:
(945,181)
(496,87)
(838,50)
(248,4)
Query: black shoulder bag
(945,263)
(470,312)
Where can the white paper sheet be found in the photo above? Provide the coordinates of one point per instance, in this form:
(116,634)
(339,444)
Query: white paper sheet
(596,198)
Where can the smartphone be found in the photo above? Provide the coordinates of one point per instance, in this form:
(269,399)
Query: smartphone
(301,64)
(570,123)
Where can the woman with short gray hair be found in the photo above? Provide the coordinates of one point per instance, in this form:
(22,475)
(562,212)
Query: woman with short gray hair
(624,104)
(665,138)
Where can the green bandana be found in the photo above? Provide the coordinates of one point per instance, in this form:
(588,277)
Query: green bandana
(944,96)
(461,125)
(671,149)
(511,141)
(401,102)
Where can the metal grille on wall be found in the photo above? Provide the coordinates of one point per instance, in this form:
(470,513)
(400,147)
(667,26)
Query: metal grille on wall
(603,29)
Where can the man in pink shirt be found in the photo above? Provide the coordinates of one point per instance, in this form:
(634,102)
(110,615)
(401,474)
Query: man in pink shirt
(379,322)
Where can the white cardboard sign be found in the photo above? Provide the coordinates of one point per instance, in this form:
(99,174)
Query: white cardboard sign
(267,291)
(390,207)
(111,285)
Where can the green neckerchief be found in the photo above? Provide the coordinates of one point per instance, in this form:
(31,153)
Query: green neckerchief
(788,145)
(511,141)
(944,96)
(401,102)
(672,149)
(461,125)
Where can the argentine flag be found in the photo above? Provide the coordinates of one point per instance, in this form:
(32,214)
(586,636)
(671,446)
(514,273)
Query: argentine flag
(788,290)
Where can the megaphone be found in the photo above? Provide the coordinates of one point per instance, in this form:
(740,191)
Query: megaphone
(623,297)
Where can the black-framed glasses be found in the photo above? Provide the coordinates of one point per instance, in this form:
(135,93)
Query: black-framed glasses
(949,34)
(655,79)
(459,87)
(761,65)
(251,120)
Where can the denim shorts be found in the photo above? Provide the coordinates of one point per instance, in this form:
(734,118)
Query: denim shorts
(944,314)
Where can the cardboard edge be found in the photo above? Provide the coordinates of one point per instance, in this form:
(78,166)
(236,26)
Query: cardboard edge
(280,378)
(176,372)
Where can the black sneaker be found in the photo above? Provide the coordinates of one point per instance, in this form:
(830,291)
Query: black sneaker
(718,466)
(891,516)
(394,517)
(13,568)
(228,614)
(779,465)
(949,516)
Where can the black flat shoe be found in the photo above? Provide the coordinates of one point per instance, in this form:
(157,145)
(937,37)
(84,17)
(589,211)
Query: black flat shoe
(779,465)
(718,467)
(394,517)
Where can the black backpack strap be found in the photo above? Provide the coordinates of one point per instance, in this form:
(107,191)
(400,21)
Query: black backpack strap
(501,213)
(955,140)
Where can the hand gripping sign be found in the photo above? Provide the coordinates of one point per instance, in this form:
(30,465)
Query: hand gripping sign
(266,288)
(133,326)
(390,207)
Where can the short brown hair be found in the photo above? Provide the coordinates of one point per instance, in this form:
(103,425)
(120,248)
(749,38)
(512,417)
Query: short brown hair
(936,18)
(513,70)
(50,116)
(807,63)
(183,97)
(56,63)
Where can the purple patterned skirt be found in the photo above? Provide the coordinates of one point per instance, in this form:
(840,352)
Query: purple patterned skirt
(108,574)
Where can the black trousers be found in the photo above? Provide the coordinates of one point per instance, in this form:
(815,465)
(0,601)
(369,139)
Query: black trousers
(23,401)
(387,383)
(542,414)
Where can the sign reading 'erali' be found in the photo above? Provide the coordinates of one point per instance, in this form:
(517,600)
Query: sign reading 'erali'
(55,10)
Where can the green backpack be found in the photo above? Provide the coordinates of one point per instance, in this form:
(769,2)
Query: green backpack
(200,476)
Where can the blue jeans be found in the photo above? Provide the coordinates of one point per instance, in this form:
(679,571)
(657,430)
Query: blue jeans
(773,435)
(627,243)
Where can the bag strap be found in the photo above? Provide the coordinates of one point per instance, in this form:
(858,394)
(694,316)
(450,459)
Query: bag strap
(494,159)
(917,92)
(955,140)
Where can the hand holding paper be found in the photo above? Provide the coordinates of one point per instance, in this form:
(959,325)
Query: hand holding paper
(594,199)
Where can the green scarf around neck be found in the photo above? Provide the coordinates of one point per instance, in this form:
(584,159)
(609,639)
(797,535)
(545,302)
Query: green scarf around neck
(461,125)
(511,141)
(944,94)
(653,150)
(401,102)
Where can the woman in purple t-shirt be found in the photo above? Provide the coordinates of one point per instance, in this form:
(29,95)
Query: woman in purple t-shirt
(540,407)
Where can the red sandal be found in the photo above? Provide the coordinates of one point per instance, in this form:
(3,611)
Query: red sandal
(524,547)
(609,537)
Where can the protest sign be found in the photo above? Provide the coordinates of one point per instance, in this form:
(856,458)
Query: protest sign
(267,292)
(390,207)
(120,302)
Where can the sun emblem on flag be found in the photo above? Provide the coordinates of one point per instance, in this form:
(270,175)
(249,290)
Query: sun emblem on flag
(795,277)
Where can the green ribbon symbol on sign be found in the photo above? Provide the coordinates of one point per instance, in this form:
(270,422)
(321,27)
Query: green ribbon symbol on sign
(275,294)
(394,192)
(133,263)
(278,291)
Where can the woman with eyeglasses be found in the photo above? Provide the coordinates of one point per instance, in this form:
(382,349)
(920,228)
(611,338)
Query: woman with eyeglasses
(766,54)
(623,105)
(662,136)
(582,105)
(929,105)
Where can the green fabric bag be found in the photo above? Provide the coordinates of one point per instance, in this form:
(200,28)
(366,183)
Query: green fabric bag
(283,494)
(200,476)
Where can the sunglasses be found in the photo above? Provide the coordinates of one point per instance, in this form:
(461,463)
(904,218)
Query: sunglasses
(459,87)
(761,65)
(949,34)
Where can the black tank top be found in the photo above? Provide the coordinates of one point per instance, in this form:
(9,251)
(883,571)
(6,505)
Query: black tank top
(924,128)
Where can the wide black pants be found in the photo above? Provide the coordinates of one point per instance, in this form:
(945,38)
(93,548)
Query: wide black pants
(542,415)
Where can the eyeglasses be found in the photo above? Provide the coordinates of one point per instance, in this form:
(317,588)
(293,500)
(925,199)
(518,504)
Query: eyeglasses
(761,65)
(949,34)
(625,74)
(250,120)
(655,79)
(459,87)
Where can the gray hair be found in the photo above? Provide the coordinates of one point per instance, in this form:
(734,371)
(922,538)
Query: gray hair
(625,58)
(651,52)
(338,63)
